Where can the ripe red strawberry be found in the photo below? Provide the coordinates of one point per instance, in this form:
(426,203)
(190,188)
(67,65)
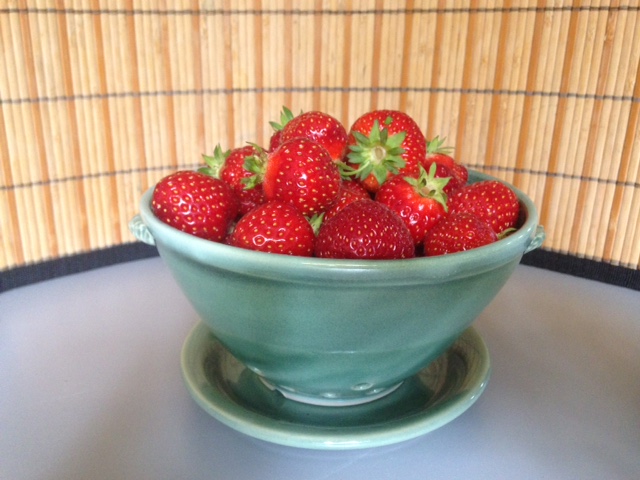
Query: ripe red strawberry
(274,227)
(229,167)
(437,153)
(456,233)
(195,203)
(276,138)
(383,143)
(445,172)
(349,192)
(492,201)
(420,202)
(320,127)
(364,229)
(299,172)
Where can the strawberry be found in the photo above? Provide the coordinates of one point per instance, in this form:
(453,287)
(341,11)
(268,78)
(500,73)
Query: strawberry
(445,172)
(349,192)
(492,201)
(383,143)
(229,167)
(437,153)
(195,203)
(456,233)
(299,172)
(274,227)
(320,127)
(276,138)
(364,229)
(420,202)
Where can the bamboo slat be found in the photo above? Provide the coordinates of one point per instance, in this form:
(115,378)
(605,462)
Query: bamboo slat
(101,98)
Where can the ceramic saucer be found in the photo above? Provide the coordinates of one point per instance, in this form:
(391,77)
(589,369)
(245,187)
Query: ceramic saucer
(236,396)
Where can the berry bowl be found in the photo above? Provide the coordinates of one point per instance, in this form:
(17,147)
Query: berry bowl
(336,332)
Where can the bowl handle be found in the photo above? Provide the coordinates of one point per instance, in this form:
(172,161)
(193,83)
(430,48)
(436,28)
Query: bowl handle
(537,239)
(141,231)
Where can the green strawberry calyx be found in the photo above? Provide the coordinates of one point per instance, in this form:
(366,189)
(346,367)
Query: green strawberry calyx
(436,146)
(214,162)
(428,185)
(506,232)
(285,117)
(377,154)
(256,164)
(316,221)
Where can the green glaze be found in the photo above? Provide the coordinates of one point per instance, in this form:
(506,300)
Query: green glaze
(434,396)
(336,331)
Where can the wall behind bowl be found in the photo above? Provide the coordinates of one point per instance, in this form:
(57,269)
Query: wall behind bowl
(100,99)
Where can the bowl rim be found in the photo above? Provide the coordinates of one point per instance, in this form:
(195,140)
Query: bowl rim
(315,269)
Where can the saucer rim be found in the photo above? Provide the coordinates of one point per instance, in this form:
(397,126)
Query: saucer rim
(220,405)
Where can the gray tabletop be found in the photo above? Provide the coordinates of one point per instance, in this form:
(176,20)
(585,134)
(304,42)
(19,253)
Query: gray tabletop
(91,387)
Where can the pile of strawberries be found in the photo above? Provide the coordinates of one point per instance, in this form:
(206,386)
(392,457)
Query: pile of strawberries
(377,191)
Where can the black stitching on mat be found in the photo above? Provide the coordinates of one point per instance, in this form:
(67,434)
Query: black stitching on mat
(94,176)
(475,166)
(299,11)
(227,91)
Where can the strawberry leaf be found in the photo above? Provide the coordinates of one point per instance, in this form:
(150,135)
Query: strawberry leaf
(255,164)
(214,162)
(430,186)
(436,146)
(316,222)
(378,154)
(506,232)
(285,117)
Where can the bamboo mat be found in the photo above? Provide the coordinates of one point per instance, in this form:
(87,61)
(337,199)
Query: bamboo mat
(99,99)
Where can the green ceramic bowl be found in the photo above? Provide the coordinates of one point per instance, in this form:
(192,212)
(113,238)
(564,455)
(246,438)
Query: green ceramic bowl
(336,332)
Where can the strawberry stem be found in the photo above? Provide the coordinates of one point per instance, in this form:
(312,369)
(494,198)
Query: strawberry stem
(377,154)
(429,186)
